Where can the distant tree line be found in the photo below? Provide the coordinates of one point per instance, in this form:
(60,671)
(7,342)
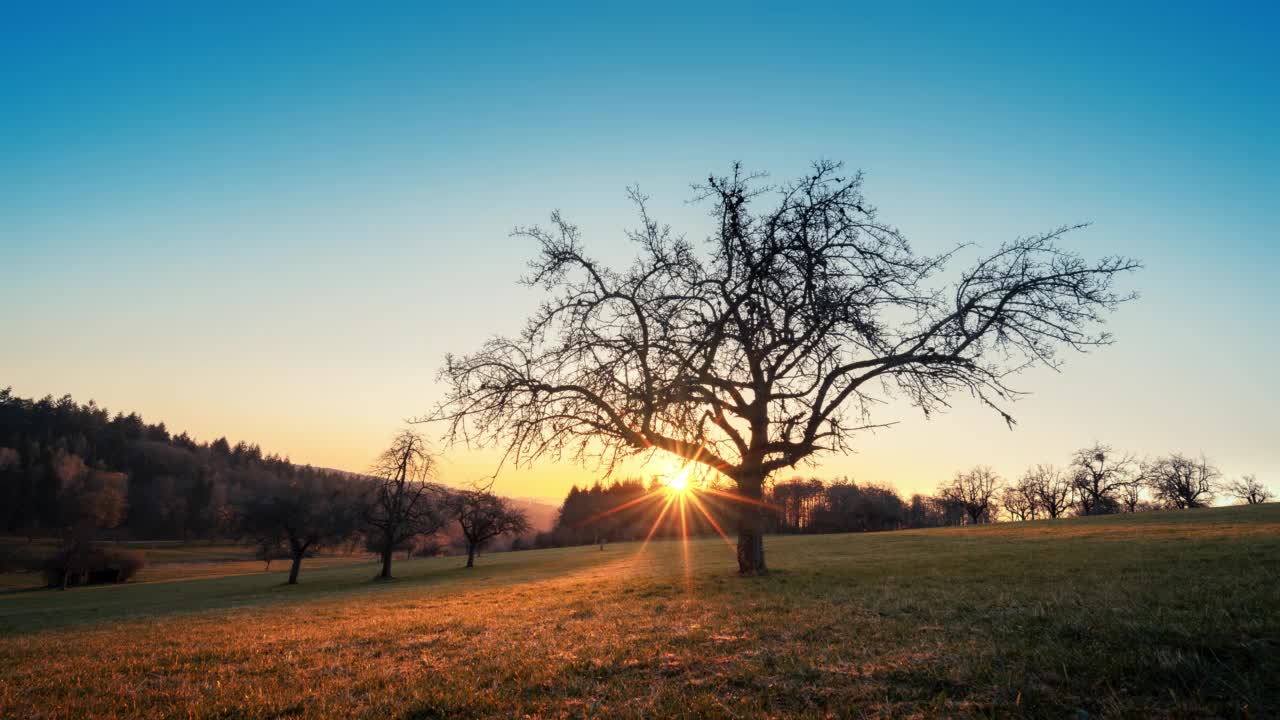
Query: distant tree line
(75,472)
(1098,480)
(632,509)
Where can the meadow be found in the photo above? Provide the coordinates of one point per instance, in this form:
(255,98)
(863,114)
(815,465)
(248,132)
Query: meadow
(1172,614)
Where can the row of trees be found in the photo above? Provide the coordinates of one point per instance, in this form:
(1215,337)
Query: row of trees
(172,486)
(75,472)
(396,508)
(632,510)
(1099,480)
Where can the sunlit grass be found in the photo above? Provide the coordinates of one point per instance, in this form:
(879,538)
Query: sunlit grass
(1149,616)
(168,561)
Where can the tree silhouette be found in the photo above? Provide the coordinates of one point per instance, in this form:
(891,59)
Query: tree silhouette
(1182,482)
(1250,491)
(1099,478)
(976,490)
(1052,489)
(301,517)
(403,505)
(482,516)
(1021,499)
(770,348)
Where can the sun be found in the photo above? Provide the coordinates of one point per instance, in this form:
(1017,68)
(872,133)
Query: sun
(678,483)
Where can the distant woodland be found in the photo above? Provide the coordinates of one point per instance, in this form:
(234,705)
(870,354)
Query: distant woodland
(141,481)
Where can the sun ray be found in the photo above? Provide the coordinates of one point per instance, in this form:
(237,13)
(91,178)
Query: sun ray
(665,507)
(651,495)
(684,542)
(739,498)
(697,504)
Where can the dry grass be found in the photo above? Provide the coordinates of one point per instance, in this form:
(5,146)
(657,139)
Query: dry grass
(1170,615)
(168,561)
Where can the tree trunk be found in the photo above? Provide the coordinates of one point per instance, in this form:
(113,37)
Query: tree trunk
(471,554)
(386,562)
(294,568)
(751,524)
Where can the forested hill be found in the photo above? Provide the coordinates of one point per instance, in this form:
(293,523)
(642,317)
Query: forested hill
(173,486)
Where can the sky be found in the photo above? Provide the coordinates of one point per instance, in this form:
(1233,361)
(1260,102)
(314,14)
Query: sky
(271,223)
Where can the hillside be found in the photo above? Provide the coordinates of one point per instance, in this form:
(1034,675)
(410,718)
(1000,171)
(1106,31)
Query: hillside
(1158,615)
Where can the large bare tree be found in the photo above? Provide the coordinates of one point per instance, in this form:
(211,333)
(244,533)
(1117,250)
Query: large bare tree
(976,490)
(1021,499)
(1100,477)
(1052,489)
(1182,481)
(404,504)
(772,345)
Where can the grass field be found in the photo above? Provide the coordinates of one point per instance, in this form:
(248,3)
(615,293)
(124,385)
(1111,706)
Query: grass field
(167,561)
(1158,615)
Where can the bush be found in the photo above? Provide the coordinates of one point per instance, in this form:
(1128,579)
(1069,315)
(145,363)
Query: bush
(128,562)
(92,565)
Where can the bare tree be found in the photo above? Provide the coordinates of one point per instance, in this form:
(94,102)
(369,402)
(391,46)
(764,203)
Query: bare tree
(1182,482)
(268,547)
(404,502)
(1052,489)
(301,518)
(771,347)
(1021,499)
(976,490)
(1099,475)
(1130,497)
(483,516)
(1250,491)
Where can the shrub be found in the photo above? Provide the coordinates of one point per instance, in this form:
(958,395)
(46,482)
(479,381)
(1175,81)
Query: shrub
(82,565)
(128,562)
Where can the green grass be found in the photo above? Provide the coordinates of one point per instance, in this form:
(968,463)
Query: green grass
(167,561)
(1160,615)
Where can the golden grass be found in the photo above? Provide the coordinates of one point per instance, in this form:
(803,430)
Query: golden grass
(1159,616)
(169,561)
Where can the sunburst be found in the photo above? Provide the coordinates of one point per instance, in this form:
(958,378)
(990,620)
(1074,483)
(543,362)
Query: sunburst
(680,492)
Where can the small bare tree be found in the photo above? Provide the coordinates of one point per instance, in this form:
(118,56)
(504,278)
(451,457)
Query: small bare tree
(483,516)
(1021,499)
(267,548)
(1099,476)
(1130,497)
(1051,487)
(404,502)
(1249,491)
(976,490)
(301,517)
(772,347)
(1182,482)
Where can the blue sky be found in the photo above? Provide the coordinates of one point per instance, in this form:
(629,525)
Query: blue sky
(273,223)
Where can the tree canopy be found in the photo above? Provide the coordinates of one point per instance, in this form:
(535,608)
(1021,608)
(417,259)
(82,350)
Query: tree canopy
(804,312)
